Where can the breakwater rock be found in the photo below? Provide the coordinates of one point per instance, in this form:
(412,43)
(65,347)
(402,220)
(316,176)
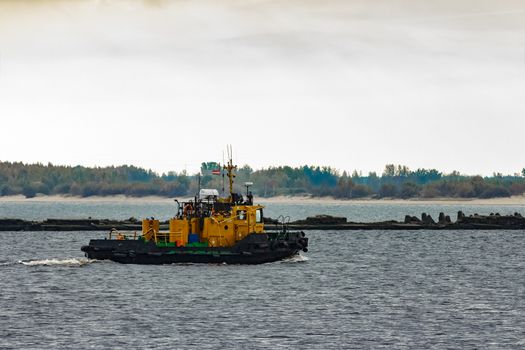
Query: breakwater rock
(70,225)
(425,222)
(319,222)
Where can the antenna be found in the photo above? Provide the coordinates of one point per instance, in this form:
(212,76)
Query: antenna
(222,171)
(248,184)
(199,184)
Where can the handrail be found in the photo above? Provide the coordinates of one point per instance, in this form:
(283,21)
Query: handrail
(283,221)
(123,234)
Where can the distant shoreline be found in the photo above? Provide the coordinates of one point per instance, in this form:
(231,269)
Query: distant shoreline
(514,200)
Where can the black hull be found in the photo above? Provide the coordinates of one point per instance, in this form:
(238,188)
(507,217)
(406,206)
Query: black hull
(254,249)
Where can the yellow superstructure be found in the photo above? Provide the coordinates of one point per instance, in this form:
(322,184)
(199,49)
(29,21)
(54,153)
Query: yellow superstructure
(217,230)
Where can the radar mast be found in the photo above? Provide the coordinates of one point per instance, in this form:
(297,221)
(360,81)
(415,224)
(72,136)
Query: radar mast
(230,170)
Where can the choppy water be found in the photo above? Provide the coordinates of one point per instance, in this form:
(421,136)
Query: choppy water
(352,290)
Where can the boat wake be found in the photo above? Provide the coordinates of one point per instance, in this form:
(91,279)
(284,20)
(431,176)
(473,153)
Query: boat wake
(57,262)
(296,259)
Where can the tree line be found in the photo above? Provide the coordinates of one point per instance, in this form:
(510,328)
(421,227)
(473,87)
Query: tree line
(396,181)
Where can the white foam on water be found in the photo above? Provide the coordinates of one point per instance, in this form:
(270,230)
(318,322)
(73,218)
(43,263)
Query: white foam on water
(57,262)
(296,259)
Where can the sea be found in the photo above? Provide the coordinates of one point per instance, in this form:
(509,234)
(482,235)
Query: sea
(351,290)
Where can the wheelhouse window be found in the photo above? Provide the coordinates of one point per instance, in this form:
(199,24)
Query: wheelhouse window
(241,214)
(258,216)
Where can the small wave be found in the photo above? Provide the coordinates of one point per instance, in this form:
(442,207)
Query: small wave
(57,262)
(520,342)
(296,259)
(475,307)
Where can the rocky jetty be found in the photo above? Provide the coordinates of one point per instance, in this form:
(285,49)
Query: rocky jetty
(321,220)
(494,221)
(425,222)
(70,225)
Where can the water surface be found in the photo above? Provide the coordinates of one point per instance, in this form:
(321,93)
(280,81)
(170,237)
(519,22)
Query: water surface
(352,290)
(122,209)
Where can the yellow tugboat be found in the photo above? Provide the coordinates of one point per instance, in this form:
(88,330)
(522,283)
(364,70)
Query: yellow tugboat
(207,229)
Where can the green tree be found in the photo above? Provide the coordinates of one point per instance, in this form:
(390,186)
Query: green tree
(344,187)
(388,190)
(29,191)
(402,170)
(409,190)
(390,170)
(495,191)
(360,191)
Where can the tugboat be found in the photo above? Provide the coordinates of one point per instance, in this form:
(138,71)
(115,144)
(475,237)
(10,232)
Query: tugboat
(208,229)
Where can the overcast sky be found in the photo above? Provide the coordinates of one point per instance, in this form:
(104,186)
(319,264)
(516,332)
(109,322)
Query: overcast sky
(353,84)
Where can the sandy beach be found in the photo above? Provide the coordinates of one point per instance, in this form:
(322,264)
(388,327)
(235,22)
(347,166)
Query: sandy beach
(514,200)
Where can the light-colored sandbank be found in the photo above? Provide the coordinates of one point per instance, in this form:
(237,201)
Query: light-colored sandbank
(514,200)
(64,198)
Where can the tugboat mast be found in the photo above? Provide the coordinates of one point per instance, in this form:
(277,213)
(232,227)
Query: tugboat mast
(229,170)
